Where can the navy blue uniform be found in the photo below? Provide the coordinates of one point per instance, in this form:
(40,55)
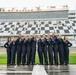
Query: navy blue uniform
(24,51)
(19,50)
(13,52)
(61,50)
(28,51)
(44,47)
(50,50)
(55,49)
(33,47)
(8,47)
(40,52)
(67,44)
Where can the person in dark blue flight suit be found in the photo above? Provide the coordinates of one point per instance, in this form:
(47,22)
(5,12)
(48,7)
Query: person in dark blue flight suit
(44,47)
(19,41)
(13,51)
(67,44)
(61,49)
(28,50)
(50,49)
(40,52)
(24,50)
(55,48)
(7,45)
(33,47)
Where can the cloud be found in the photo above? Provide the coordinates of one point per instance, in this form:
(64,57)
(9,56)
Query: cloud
(32,3)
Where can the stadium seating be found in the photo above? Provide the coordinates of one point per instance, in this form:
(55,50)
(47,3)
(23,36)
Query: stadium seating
(38,27)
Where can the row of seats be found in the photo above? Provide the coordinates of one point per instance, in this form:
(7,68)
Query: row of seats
(38,27)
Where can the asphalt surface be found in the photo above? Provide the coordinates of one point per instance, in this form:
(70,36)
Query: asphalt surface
(38,70)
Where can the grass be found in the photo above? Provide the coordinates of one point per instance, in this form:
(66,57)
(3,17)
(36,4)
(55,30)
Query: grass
(3,59)
(72,58)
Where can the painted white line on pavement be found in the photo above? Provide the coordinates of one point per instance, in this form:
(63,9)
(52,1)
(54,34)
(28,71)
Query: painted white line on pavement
(39,70)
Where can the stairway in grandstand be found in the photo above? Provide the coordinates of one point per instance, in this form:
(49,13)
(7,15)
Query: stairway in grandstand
(38,27)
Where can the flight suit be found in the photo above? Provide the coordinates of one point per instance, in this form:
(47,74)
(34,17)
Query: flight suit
(24,51)
(28,51)
(55,49)
(50,50)
(7,45)
(33,47)
(13,52)
(61,51)
(44,48)
(40,52)
(19,50)
(67,44)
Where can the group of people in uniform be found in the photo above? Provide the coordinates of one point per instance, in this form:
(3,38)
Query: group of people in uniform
(49,48)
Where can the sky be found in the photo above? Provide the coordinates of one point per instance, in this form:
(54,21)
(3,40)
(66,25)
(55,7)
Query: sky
(33,3)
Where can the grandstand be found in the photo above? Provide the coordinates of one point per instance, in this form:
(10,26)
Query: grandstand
(72,14)
(64,27)
(39,20)
(37,13)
